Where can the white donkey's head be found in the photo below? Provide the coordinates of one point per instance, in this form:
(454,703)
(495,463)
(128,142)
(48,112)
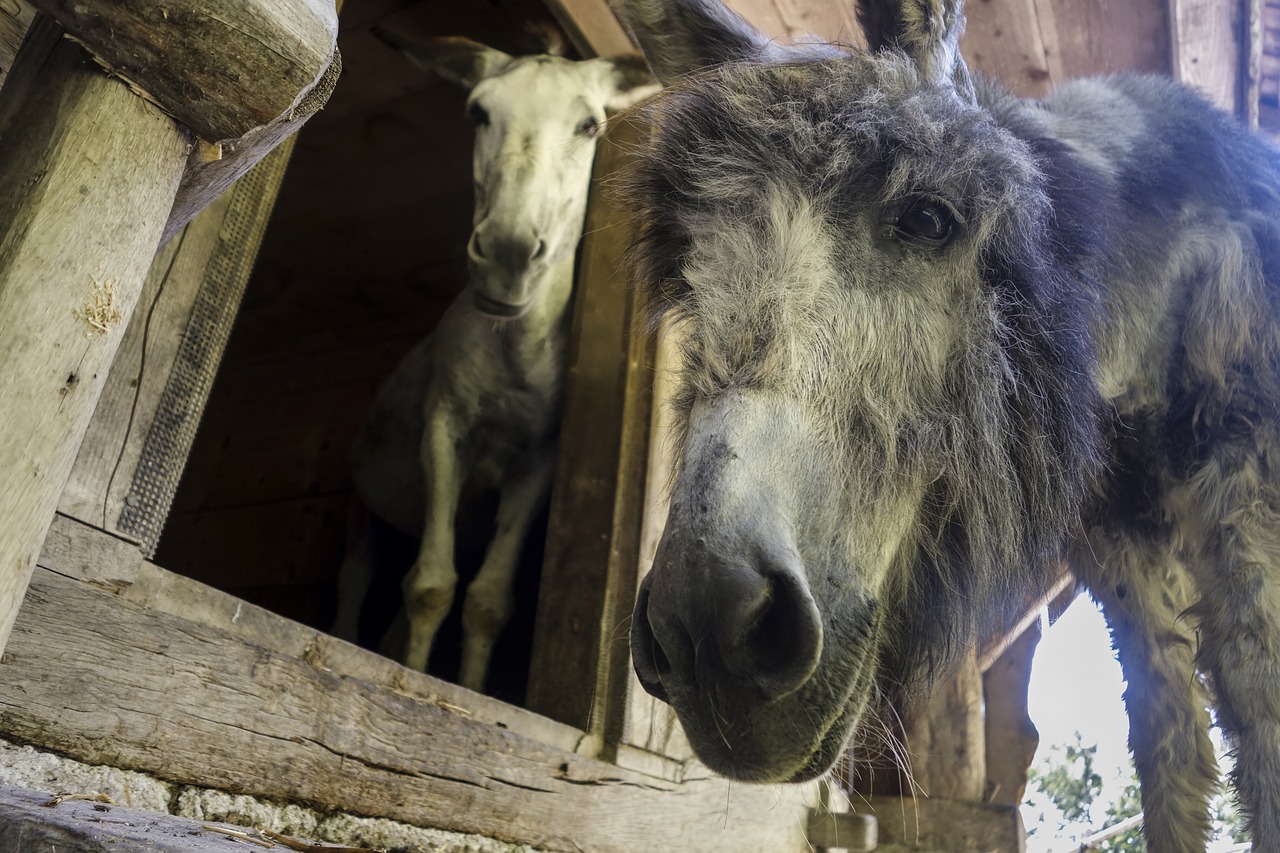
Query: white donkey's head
(537,119)
(888,416)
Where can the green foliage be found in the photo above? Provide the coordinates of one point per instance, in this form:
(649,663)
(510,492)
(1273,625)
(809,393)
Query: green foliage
(1067,777)
(1128,804)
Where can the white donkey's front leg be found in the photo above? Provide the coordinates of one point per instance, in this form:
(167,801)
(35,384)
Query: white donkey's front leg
(1240,629)
(428,588)
(489,601)
(1145,592)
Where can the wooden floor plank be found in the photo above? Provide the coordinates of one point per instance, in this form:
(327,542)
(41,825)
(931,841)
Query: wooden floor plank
(101,676)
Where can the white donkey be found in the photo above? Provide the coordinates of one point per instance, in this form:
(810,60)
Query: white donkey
(481,396)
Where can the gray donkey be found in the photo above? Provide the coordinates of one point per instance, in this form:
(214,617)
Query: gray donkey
(937,339)
(480,398)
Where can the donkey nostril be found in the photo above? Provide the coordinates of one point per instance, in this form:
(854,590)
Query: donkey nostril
(539,250)
(474,247)
(784,641)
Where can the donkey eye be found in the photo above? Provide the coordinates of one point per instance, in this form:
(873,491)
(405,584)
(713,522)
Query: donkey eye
(479,115)
(926,220)
(589,126)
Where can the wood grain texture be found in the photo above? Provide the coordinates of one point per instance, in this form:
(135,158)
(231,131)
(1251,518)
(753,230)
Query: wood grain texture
(592,27)
(1207,38)
(205,180)
(931,824)
(90,173)
(220,67)
(112,446)
(98,673)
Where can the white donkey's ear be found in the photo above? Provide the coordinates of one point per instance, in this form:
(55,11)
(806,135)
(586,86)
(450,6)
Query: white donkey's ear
(926,30)
(628,80)
(679,36)
(460,61)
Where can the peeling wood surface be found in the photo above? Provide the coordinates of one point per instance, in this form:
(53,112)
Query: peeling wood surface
(220,67)
(205,180)
(29,823)
(112,447)
(96,673)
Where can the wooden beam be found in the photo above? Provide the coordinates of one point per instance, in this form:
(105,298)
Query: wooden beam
(932,824)
(89,176)
(220,67)
(1207,45)
(205,180)
(592,27)
(581,659)
(102,671)
(1011,736)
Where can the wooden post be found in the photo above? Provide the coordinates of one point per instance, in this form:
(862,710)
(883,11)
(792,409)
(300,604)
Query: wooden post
(581,659)
(90,172)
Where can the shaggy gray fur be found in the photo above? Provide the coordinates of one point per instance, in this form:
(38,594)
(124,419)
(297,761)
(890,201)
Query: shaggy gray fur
(937,339)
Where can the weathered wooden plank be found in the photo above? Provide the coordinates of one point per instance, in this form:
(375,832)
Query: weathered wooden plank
(591,27)
(931,825)
(1208,54)
(78,551)
(89,176)
(1011,736)
(127,470)
(651,724)
(221,67)
(15,18)
(1008,40)
(835,22)
(206,179)
(581,659)
(30,822)
(946,737)
(101,677)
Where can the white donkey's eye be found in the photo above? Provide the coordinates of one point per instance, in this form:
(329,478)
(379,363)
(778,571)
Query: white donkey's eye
(589,126)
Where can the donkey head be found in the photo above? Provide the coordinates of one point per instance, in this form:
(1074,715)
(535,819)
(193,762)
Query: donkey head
(536,120)
(887,410)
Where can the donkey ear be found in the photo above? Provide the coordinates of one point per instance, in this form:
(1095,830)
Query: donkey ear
(679,36)
(928,31)
(629,81)
(460,61)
